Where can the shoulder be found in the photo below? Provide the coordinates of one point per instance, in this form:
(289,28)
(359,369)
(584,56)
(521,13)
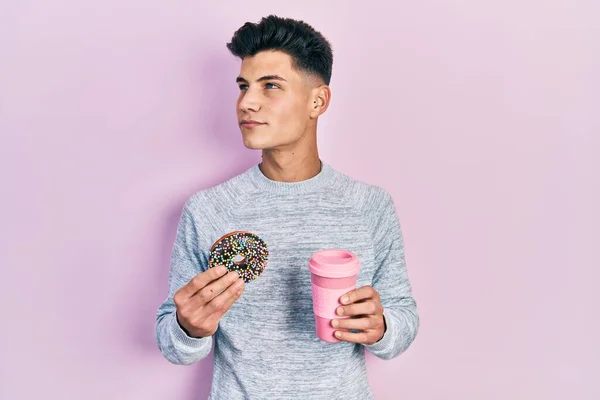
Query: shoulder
(218,199)
(366,197)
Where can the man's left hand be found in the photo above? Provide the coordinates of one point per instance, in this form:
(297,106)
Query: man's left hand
(364,308)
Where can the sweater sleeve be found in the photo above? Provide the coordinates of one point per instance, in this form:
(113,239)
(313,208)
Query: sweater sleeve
(391,281)
(186,262)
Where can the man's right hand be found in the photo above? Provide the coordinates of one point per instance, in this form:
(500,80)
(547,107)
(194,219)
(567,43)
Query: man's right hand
(205,299)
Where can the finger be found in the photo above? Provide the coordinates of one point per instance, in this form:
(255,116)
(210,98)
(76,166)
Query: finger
(369,307)
(220,304)
(199,281)
(359,324)
(358,337)
(365,292)
(205,295)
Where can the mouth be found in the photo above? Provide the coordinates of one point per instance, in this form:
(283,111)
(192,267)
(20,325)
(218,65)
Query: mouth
(247,123)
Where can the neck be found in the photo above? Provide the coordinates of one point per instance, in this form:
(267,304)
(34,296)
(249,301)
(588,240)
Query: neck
(290,166)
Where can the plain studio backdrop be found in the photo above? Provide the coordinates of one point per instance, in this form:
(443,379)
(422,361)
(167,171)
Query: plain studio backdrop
(480,117)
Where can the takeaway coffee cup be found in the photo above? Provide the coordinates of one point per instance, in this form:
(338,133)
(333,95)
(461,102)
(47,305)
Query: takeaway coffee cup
(333,274)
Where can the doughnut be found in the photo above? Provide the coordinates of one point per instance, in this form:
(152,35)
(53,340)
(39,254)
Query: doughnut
(240,251)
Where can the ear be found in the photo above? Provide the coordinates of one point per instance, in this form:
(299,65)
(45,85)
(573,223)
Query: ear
(320,99)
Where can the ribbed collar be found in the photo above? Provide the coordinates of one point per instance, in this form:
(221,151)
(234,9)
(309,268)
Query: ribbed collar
(324,178)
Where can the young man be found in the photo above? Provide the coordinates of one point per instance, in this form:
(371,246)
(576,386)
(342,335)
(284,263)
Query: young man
(263,331)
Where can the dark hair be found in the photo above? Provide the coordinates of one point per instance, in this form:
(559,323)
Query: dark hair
(310,51)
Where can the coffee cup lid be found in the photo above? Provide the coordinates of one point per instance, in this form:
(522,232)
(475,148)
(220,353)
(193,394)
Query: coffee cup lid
(334,263)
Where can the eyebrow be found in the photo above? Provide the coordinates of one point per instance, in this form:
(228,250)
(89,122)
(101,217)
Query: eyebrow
(239,79)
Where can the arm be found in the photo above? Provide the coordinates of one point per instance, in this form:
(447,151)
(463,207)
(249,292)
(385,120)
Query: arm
(391,282)
(186,262)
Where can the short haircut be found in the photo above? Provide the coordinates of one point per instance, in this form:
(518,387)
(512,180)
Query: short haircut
(309,50)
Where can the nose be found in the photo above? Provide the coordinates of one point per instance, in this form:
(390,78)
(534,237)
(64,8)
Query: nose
(249,101)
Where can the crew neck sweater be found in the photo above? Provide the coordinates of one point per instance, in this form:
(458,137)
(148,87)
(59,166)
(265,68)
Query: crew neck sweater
(265,346)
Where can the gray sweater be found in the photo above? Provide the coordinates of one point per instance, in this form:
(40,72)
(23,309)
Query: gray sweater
(266,346)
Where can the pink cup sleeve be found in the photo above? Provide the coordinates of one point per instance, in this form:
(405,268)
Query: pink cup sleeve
(325,301)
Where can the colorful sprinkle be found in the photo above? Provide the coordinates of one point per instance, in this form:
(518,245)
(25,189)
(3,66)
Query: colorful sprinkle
(243,252)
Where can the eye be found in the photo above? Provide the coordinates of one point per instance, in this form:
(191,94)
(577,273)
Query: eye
(271,86)
(243,87)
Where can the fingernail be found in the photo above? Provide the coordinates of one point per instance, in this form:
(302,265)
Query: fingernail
(338,334)
(221,269)
(345,299)
(335,323)
(340,311)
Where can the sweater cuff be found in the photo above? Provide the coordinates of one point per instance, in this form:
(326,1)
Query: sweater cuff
(385,344)
(181,338)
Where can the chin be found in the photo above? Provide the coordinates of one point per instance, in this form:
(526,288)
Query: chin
(256,142)
(253,146)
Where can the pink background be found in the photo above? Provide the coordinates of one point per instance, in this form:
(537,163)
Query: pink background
(480,117)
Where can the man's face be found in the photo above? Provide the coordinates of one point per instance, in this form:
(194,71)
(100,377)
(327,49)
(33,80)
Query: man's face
(276,96)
